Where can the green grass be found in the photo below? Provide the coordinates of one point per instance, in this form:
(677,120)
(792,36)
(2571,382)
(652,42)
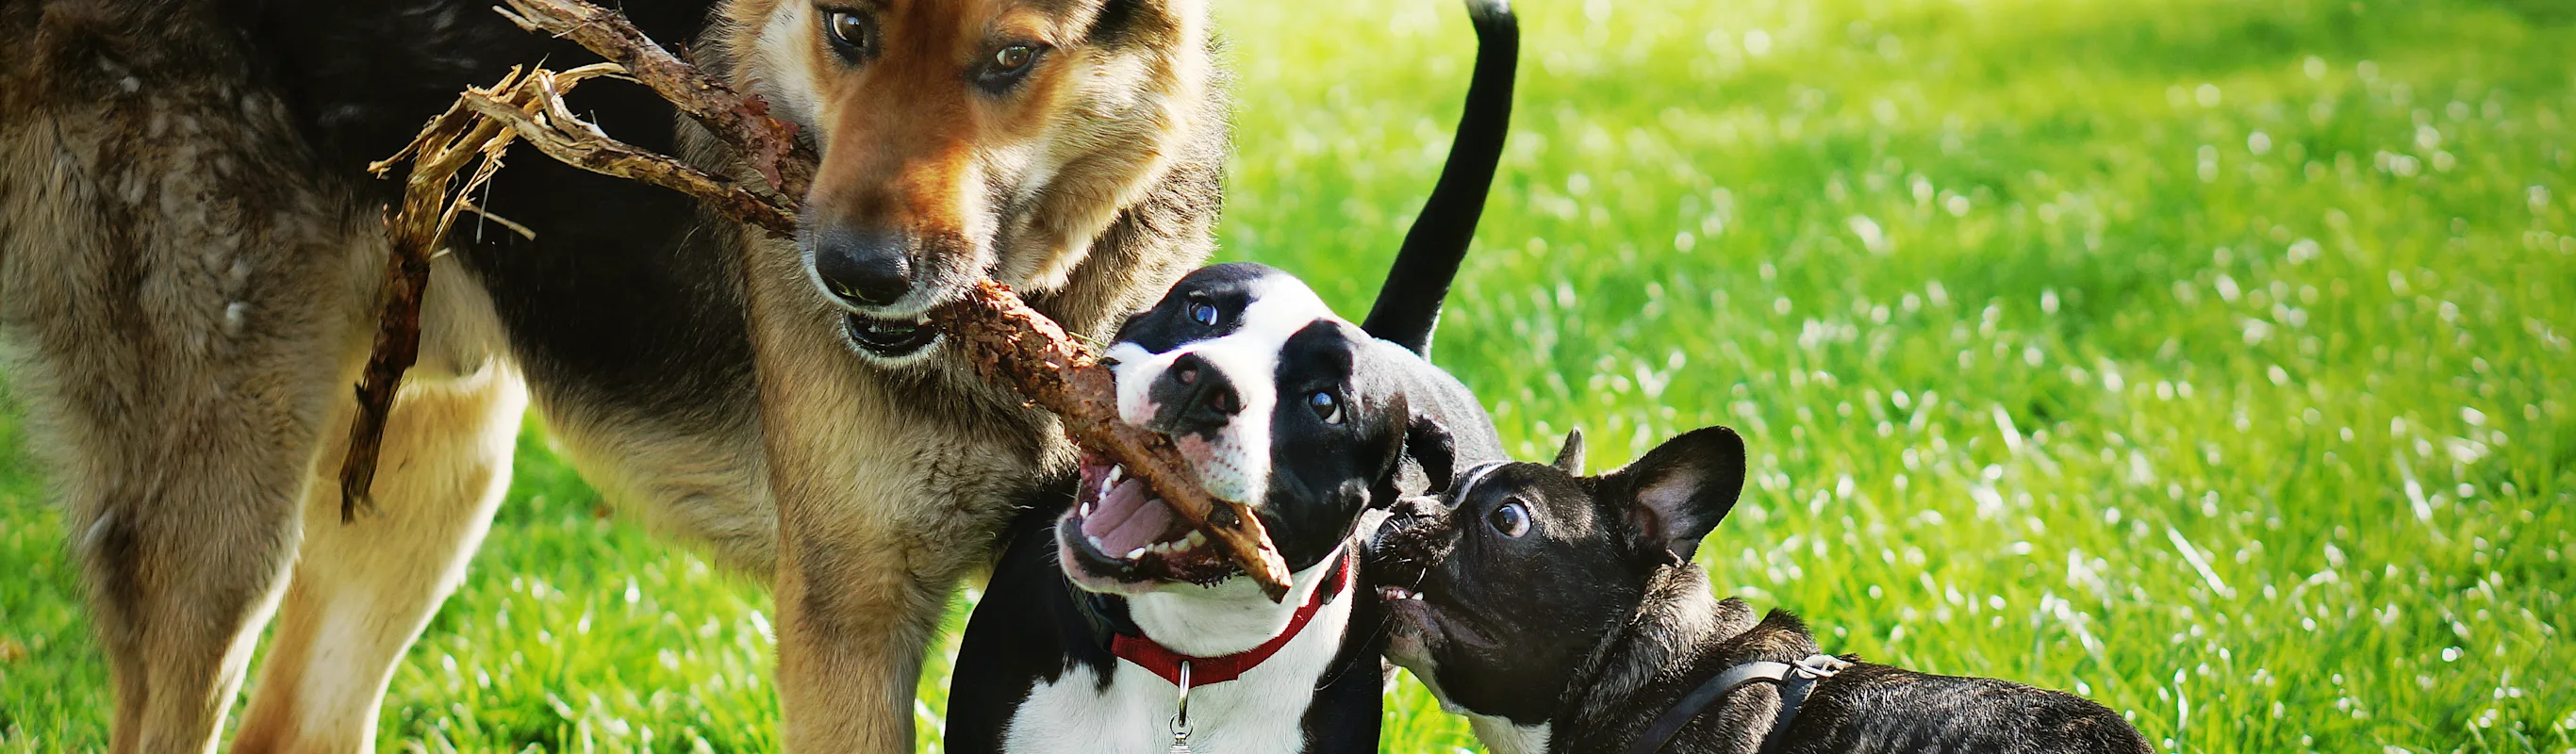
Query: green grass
(2207,357)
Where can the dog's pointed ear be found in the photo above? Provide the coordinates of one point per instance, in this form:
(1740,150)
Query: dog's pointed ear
(1431,448)
(1680,490)
(1569,459)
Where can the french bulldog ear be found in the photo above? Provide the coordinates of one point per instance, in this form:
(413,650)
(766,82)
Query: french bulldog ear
(1679,491)
(1431,446)
(1569,459)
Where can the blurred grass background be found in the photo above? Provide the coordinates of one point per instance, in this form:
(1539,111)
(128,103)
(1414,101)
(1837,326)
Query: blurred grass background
(2206,357)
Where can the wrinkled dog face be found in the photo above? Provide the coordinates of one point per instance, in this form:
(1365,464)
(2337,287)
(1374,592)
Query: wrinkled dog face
(1275,401)
(1501,587)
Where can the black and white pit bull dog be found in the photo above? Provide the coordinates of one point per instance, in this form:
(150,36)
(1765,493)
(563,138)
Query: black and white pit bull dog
(1097,619)
(1111,625)
(1562,613)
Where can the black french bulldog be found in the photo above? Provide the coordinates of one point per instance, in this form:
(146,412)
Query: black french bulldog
(1562,613)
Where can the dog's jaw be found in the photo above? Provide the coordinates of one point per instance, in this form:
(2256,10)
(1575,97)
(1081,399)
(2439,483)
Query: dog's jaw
(1499,734)
(1229,617)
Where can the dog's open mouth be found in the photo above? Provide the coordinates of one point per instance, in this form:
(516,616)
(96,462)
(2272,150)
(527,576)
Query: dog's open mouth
(1414,625)
(891,338)
(1399,559)
(1119,536)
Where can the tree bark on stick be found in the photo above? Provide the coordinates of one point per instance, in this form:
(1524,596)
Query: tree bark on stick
(412,233)
(1014,345)
(767,143)
(1009,343)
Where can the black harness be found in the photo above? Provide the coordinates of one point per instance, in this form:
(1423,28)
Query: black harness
(1796,682)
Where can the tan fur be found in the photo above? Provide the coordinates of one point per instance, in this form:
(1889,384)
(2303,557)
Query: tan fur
(184,303)
(890,481)
(362,592)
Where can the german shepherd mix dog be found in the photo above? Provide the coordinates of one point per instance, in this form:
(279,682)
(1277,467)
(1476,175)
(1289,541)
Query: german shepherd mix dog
(1561,613)
(190,255)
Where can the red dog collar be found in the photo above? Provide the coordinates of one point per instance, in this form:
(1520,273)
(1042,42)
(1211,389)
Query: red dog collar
(1144,653)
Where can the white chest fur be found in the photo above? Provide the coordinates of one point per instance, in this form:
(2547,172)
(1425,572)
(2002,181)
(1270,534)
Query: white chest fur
(1261,712)
(1501,736)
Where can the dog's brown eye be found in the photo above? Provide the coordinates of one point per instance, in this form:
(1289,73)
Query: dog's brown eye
(849,31)
(1510,519)
(1326,406)
(1007,66)
(1013,58)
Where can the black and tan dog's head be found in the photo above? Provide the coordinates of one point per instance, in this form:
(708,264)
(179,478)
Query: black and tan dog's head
(962,138)
(1501,587)
(1277,403)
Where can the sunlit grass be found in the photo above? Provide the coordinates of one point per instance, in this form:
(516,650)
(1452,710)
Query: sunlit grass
(2208,358)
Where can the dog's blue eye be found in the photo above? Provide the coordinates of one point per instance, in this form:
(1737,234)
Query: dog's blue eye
(1327,407)
(1510,519)
(1203,312)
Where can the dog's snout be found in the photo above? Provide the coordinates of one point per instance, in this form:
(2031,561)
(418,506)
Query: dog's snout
(1409,533)
(1417,511)
(1194,396)
(864,268)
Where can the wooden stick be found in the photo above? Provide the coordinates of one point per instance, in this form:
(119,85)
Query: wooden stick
(740,120)
(412,232)
(1011,344)
(591,150)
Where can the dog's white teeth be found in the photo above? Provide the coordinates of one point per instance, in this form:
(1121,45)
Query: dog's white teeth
(1116,474)
(1193,540)
(1086,509)
(1135,553)
(1096,544)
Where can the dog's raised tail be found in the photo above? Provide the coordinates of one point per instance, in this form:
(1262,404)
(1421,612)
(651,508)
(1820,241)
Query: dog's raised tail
(1408,306)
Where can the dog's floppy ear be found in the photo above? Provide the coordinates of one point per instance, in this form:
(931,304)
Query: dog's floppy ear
(1569,459)
(1679,491)
(1431,446)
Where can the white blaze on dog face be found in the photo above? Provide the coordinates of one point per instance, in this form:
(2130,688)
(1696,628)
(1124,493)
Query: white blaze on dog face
(1230,449)
(1273,401)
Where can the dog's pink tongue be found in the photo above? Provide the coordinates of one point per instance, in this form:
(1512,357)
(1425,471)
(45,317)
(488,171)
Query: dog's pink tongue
(1127,518)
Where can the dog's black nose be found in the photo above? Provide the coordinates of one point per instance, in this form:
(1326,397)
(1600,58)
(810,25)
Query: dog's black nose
(1402,544)
(1420,510)
(864,268)
(1193,396)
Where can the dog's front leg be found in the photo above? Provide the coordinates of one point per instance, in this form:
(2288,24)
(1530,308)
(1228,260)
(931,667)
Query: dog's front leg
(889,487)
(882,508)
(853,618)
(853,623)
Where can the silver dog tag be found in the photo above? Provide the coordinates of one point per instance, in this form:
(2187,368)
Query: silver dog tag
(1181,715)
(1181,731)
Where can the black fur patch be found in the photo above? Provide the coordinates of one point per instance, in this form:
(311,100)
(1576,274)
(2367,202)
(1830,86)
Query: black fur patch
(1115,26)
(1030,628)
